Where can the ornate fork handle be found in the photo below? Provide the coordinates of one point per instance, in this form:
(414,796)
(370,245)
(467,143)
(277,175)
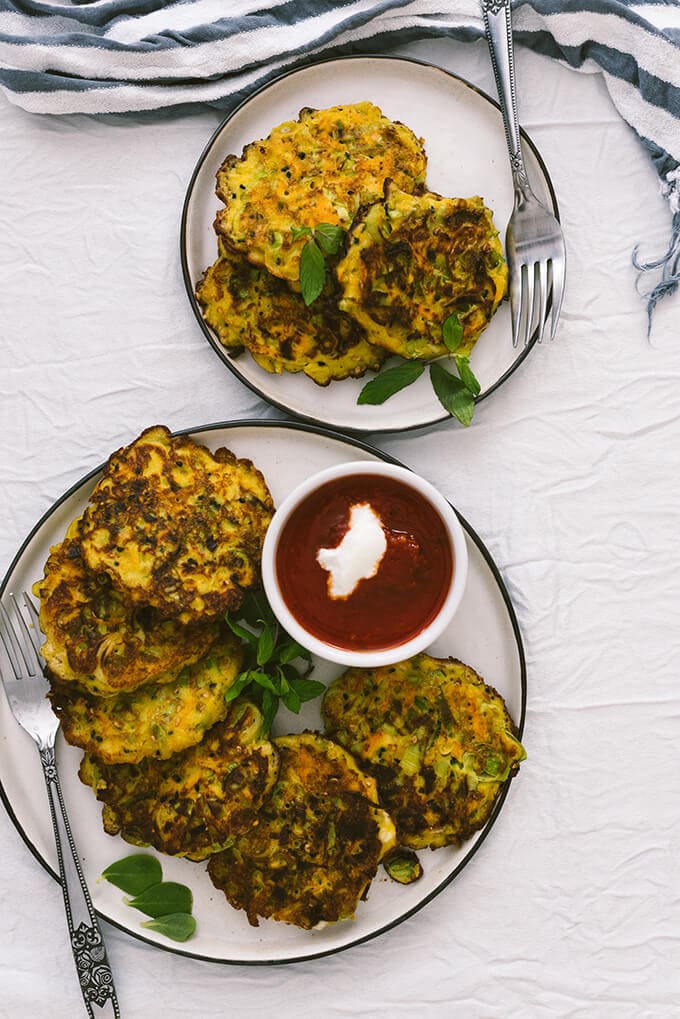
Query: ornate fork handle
(87,943)
(496,14)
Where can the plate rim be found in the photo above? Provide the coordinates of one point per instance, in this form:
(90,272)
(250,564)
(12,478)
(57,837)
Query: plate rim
(351,440)
(221,351)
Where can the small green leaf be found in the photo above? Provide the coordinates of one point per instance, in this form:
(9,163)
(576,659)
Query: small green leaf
(270,705)
(452,332)
(241,631)
(292,650)
(453,394)
(256,610)
(312,272)
(329,238)
(300,231)
(263,680)
(134,874)
(307,689)
(467,375)
(162,899)
(390,381)
(266,645)
(292,700)
(238,686)
(177,926)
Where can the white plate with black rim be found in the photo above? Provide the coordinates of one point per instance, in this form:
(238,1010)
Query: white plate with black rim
(484,634)
(466,152)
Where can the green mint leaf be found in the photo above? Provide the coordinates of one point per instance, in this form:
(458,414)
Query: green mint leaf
(238,686)
(307,689)
(264,680)
(329,238)
(292,700)
(256,610)
(300,231)
(270,705)
(266,645)
(452,332)
(467,375)
(162,899)
(134,874)
(241,631)
(177,926)
(452,393)
(292,650)
(390,381)
(312,272)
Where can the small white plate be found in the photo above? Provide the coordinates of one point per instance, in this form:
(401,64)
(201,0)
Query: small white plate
(484,633)
(465,145)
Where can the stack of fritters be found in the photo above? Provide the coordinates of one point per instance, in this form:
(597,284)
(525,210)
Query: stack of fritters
(410,260)
(131,599)
(197,801)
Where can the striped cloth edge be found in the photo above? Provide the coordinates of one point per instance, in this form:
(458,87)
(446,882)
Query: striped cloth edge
(122,56)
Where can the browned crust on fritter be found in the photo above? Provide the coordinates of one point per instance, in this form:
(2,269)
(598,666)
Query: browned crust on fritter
(178,527)
(192,804)
(96,639)
(317,845)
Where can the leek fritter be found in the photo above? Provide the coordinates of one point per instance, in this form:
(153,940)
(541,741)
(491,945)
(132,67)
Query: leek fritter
(192,804)
(158,719)
(318,169)
(438,740)
(95,639)
(177,527)
(414,260)
(249,308)
(317,845)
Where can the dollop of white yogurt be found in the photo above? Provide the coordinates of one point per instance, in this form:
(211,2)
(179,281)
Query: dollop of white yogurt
(359,554)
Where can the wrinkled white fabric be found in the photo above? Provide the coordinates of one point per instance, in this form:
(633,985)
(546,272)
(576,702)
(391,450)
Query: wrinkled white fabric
(570,475)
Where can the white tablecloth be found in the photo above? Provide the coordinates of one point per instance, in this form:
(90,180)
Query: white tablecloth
(569,474)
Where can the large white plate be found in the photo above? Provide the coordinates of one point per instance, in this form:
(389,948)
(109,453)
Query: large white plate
(465,144)
(484,634)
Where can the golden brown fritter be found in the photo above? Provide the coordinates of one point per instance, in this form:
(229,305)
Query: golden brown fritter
(412,261)
(248,307)
(317,845)
(318,169)
(177,527)
(157,720)
(193,803)
(439,742)
(96,639)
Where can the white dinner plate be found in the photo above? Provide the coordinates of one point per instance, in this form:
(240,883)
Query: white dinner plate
(484,634)
(465,145)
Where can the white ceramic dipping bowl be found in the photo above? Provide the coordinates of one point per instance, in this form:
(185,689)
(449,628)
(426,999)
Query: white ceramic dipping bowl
(356,656)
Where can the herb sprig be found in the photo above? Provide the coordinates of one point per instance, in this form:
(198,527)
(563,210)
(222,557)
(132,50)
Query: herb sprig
(168,903)
(324,240)
(455,393)
(275,667)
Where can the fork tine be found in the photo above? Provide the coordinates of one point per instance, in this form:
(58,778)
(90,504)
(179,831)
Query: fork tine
(516,303)
(33,629)
(542,296)
(26,649)
(557,295)
(9,642)
(528,300)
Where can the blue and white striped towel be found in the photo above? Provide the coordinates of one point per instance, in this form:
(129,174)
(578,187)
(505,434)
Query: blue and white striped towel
(117,56)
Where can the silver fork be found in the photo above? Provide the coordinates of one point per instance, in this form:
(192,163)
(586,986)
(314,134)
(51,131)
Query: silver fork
(26,689)
(534,242)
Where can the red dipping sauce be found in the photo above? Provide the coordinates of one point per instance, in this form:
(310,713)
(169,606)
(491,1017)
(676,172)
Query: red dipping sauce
(409,587)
